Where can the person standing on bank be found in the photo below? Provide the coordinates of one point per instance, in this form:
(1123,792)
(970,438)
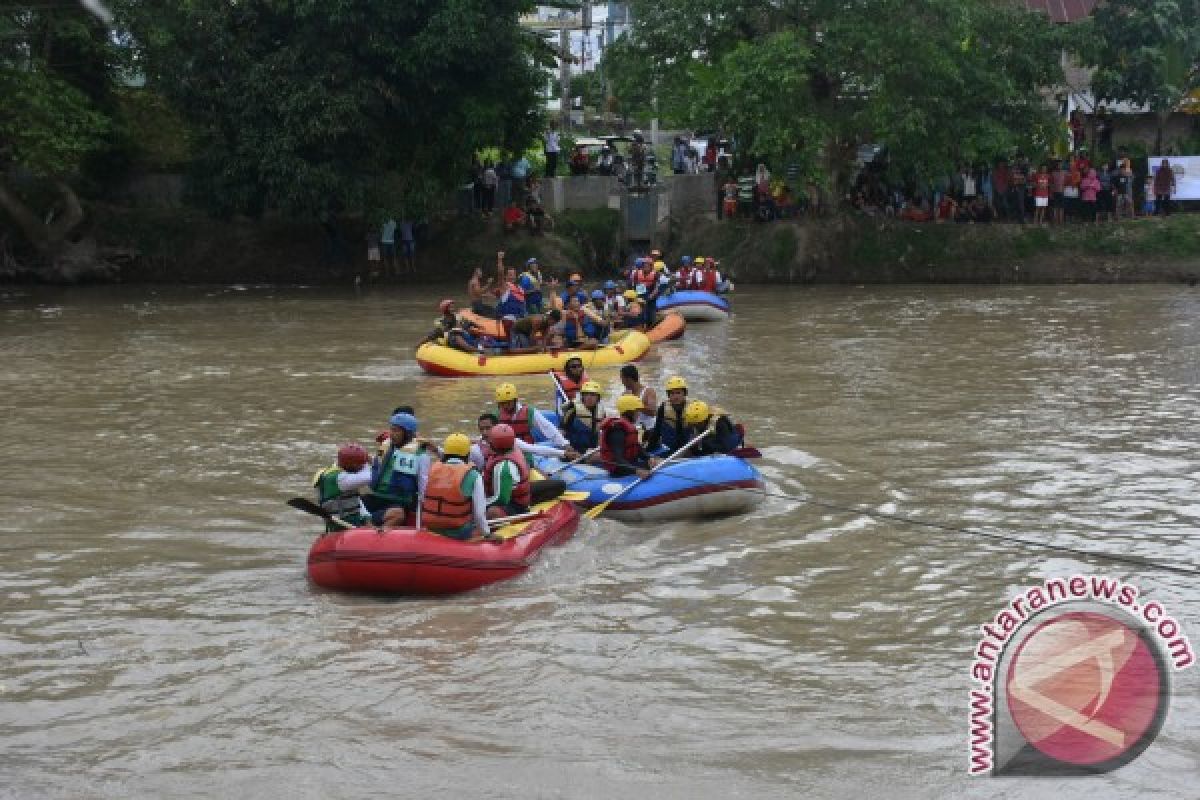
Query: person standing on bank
(387,239)
(551,151)
(1164,187)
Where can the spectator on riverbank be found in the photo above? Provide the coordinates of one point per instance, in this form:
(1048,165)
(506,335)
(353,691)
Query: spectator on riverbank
(512,217)
(387,240)
(551,152)
(490,180)
(1089,189)
(1164,187)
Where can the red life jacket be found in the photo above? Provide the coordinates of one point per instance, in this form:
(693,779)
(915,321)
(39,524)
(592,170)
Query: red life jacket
(633,448)
(569,387)
(520,492)
(520,421)
(647,280)
(706,281)
(517,292)
(444,506)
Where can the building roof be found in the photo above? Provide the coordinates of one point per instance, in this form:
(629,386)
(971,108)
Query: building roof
(1063,10)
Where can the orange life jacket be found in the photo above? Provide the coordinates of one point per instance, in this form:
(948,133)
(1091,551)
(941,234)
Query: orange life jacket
(444,506)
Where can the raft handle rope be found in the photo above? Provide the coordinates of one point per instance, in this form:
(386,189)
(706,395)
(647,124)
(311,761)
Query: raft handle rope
(1188,570)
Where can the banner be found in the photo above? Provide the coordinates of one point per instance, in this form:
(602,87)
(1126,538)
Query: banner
(1187,175)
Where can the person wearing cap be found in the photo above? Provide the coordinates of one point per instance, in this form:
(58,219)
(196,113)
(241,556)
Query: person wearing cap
(457,333)
(723,435)
(621,451)
(481,450)
(338,486)
(453,502)
(528,424)
(645,394)
(613,302)
(669,428)
(398,476)
(574,289)
(581,420)
(595,319)
(631,312)
(531,282)
(506,475)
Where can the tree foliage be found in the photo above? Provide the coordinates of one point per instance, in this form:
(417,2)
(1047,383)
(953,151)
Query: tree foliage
(936,81)
(1146,52)
(316,106)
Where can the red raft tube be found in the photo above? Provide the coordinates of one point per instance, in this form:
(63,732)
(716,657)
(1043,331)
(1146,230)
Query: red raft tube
(411,561)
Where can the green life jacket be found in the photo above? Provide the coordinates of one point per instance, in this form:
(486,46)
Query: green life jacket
(345,505)
(394,476)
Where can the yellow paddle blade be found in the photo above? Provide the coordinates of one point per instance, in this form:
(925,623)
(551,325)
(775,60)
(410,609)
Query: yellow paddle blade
(573,497)
(596,511)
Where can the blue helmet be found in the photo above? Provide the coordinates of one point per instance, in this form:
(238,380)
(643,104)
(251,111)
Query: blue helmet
(597,294)
(531,262)
(685,259)
(610,285)
(406,421)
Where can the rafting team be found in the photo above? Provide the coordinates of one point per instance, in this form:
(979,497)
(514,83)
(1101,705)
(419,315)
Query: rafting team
(455,489)
(576,319)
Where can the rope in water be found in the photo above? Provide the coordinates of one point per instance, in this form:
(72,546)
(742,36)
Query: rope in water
(1137,561)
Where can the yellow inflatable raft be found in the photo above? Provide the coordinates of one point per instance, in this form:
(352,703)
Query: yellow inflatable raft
(438,359)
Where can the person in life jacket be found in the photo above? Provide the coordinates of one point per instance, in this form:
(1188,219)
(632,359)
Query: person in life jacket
(506,475)
(648,279)
(621,451)
(454,502)
(531,283)
(448,323)
(631,314)
(337,486)
(481,450)
(708,279)
(569,380)
(398,475)
(646,395)
(723,435)
(613,302)
(527,423)
(572,323)
(574,289)
(383,439)
(683,275)
(669,428)
(581,419)
(596,321)
(510,296)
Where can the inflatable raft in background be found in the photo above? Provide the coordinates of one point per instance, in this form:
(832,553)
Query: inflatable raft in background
(438,359)
(694,305)
(670,326)
(692,487)
(411,561)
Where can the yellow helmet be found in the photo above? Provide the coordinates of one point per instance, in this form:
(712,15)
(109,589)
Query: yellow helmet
(590,387)
(506,392)
(660,265)
(676,382)
(695,412)
(457,444)
(629,402)
(630,294)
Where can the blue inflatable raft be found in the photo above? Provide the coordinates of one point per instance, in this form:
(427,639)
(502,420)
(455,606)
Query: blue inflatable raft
(694,306)
(691,487)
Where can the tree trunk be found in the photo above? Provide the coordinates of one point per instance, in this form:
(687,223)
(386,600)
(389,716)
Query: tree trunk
(60,258)
(1161,117)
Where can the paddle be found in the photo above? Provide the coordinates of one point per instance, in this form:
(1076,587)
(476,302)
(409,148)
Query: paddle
(559,469)
(309,507)
(746,452)
(596,511)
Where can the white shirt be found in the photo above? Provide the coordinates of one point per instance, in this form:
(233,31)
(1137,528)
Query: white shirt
(348,481)
(551,142)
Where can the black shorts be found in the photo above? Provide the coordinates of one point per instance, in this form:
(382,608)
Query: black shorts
(1056,200)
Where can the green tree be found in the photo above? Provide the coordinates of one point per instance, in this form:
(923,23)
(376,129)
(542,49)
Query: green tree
(936,81)
(314,107)
(56,81)
(1146,52)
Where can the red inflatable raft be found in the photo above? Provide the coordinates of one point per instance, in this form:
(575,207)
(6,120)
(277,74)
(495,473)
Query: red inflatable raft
(411,561)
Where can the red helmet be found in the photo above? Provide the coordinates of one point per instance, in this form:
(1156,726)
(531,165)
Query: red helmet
(352,457)
(502,438)
(445,306)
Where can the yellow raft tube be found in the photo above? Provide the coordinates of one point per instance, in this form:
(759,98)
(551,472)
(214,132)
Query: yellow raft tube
(438,359)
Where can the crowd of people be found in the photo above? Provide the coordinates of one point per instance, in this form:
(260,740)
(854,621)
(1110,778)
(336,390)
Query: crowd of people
(1074,188)
(539,312)
(460,487)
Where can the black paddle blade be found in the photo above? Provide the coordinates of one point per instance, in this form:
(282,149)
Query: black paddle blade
(541,491)
(309,507)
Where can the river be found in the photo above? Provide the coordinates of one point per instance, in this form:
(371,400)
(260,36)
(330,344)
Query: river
(159,638)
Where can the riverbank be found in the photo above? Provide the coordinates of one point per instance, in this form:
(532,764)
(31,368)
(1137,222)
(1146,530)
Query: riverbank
(187,247)
(849,249)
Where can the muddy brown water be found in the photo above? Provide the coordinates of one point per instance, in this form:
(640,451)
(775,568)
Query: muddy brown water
(159,638)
